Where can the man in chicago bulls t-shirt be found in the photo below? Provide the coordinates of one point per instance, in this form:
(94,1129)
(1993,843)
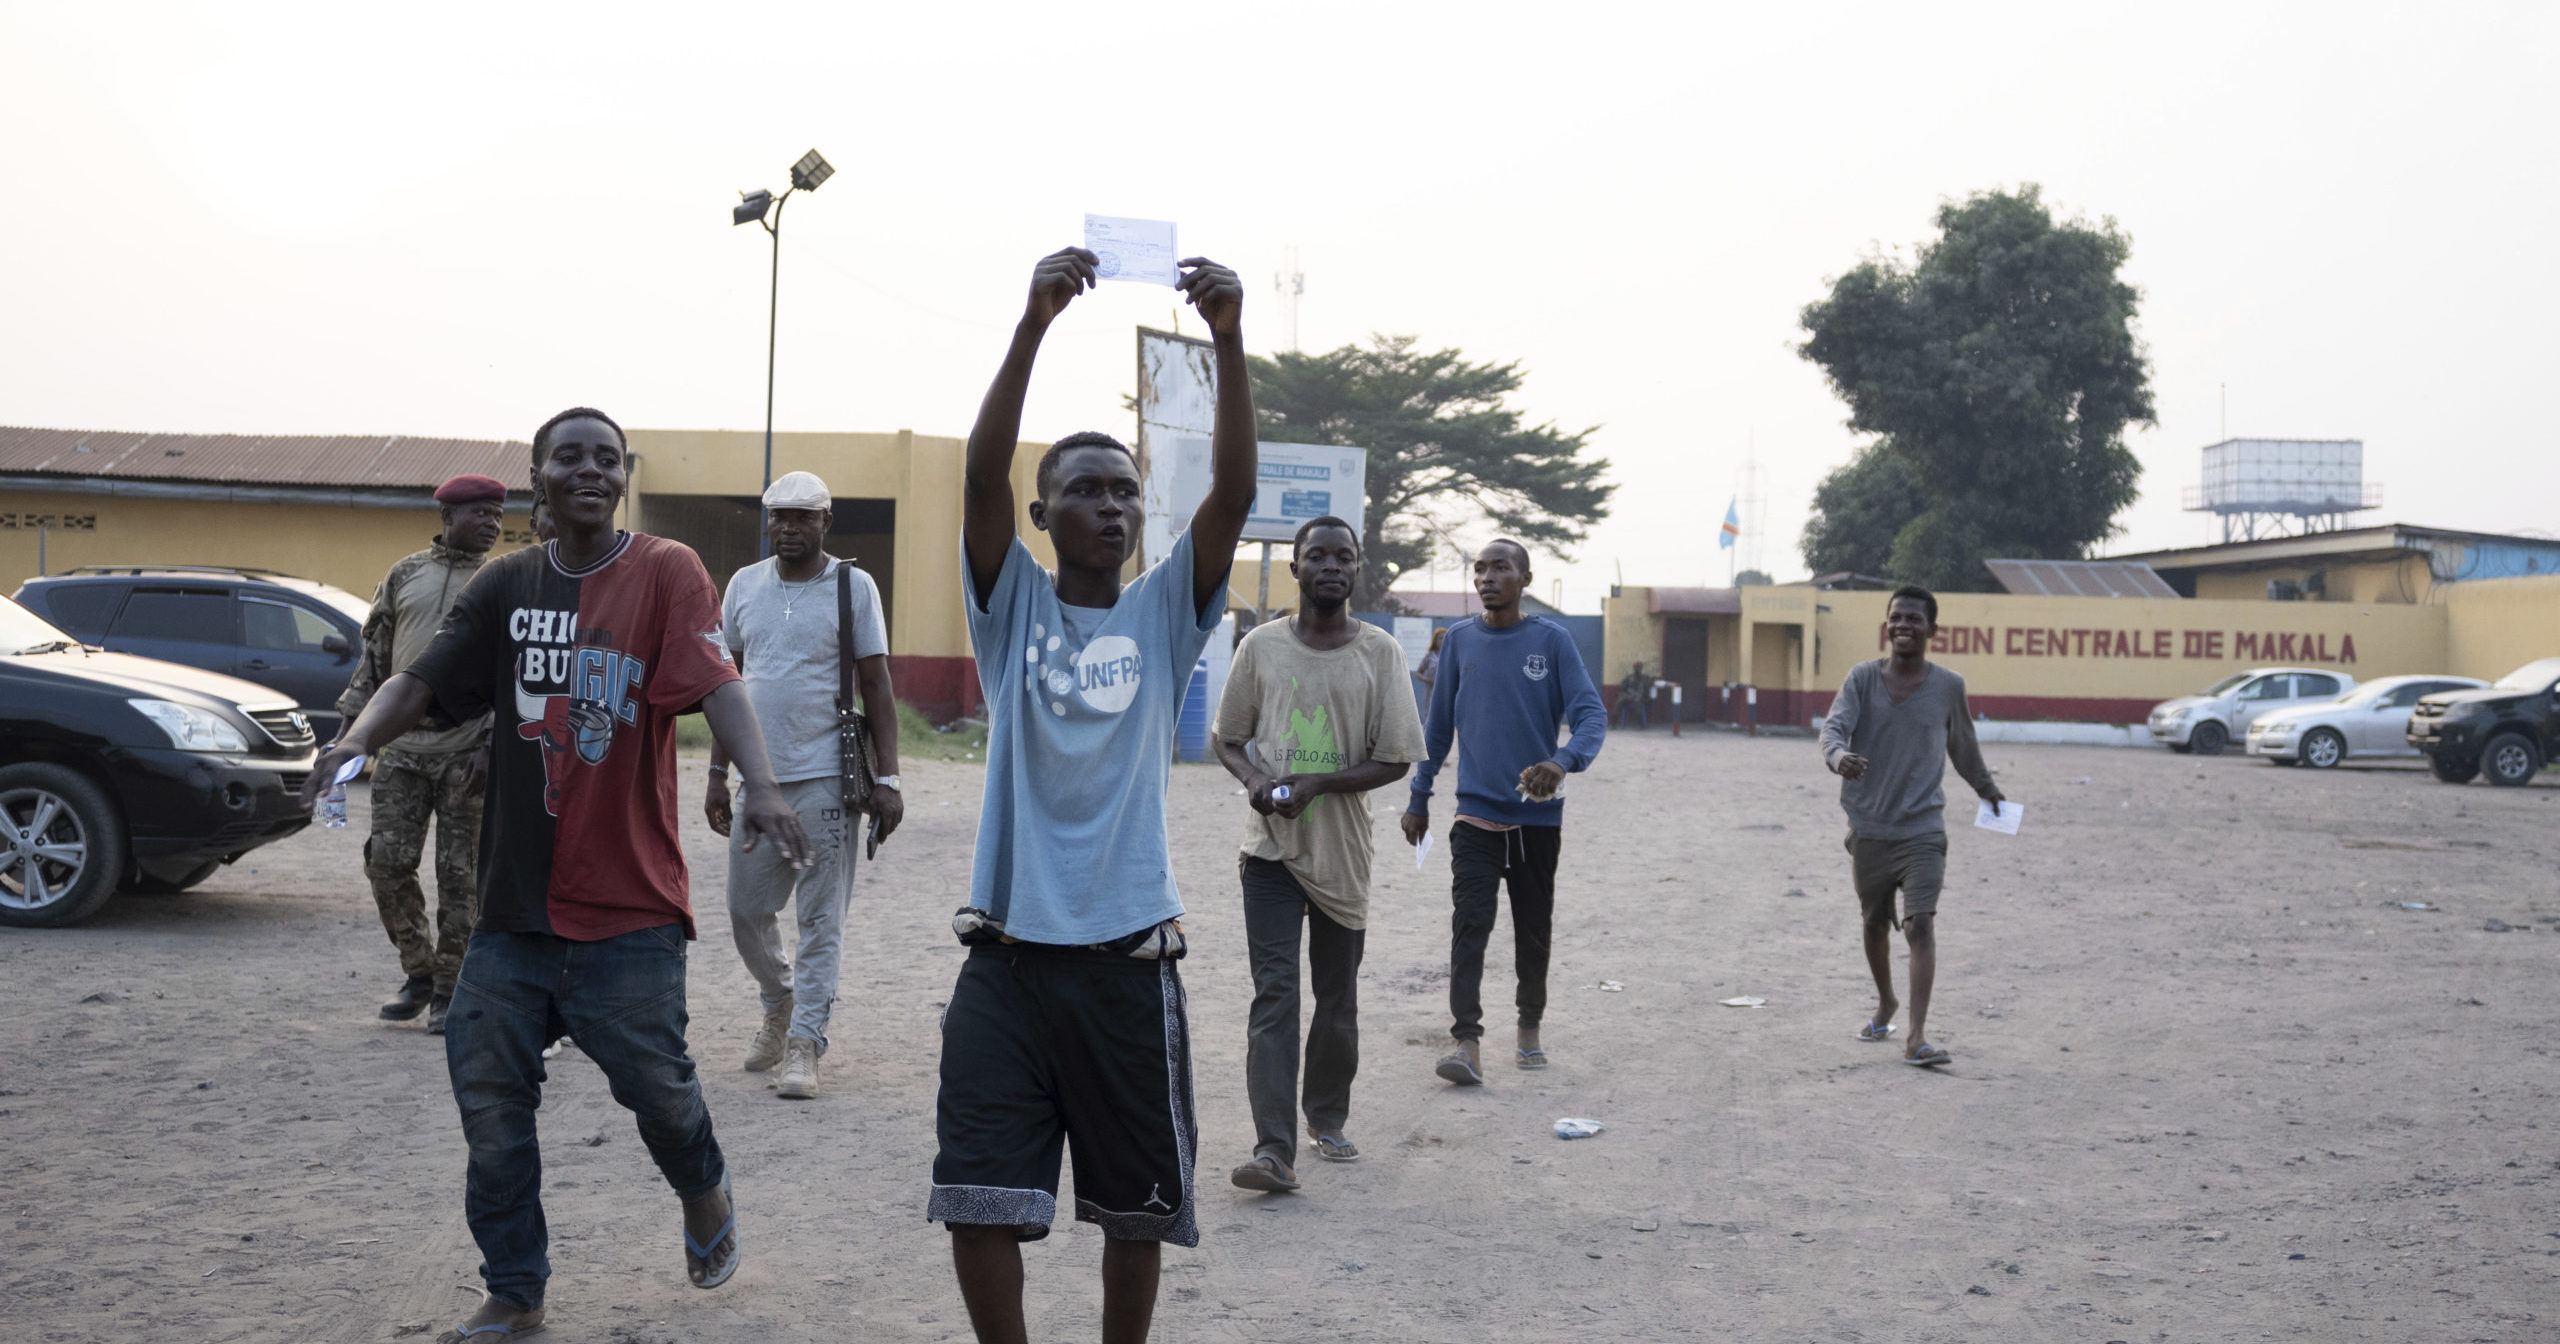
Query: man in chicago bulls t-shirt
(586,649)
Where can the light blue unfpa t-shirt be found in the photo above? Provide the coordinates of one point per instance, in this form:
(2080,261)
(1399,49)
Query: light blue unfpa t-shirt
(1081,709)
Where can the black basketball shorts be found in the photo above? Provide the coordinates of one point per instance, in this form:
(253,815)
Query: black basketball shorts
(1048,1046)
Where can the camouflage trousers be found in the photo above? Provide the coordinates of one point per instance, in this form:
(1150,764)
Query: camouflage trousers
(409,789)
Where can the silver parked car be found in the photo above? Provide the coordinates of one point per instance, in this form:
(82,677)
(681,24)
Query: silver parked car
(2371,720)
(2205,724)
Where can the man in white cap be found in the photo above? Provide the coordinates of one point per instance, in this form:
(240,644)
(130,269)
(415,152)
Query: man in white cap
(781,620)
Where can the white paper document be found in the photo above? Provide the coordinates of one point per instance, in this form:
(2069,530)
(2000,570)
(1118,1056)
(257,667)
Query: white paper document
(2005,821)
(1133,249)
(1422,851)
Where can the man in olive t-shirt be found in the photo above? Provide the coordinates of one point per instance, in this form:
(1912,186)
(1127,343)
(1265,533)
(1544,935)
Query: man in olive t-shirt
(1316,713)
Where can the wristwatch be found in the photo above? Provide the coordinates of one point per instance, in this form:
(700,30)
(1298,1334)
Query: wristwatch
(885,782)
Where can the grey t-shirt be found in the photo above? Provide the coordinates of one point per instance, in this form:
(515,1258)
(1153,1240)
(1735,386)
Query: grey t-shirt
(1900,796)
(785,637)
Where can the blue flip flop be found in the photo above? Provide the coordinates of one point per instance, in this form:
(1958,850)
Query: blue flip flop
(698,1265)
(1927,1056)
(1872,1032)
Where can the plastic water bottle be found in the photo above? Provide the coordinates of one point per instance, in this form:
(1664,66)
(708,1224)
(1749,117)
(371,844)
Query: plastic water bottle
(333,804)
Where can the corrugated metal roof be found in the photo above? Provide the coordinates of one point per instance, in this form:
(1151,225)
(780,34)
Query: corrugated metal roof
(358,460)
(2079,578)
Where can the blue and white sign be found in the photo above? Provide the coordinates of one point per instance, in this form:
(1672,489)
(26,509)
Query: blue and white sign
(1298,481)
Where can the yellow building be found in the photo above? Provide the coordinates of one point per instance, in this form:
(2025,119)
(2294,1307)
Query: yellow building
(342,508)
(2068,659)
(2395,563)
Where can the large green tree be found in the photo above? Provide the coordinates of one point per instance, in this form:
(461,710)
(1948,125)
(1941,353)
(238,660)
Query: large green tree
(1999,373)
(1443,446)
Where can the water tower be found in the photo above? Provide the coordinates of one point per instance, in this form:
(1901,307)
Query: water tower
(2283,487)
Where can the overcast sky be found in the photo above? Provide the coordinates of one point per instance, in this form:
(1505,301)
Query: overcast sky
(458,219)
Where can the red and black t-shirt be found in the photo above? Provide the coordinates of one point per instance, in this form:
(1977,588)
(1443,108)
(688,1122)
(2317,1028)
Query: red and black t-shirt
(586,672)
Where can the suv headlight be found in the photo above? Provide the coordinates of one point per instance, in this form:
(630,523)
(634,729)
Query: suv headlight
(190,728)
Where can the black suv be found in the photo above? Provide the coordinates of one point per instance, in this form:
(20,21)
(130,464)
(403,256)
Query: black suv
(2509,730)
(286,634)
(122,773)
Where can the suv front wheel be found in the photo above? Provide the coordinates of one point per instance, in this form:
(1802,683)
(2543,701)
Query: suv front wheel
(2454,769)
(2510,760)
(61,846)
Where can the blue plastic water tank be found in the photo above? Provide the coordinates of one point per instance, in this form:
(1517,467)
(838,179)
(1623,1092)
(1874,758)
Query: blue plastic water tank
(1191,730)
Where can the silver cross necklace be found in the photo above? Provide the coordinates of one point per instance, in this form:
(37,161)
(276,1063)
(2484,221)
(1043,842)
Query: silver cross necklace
(791,592)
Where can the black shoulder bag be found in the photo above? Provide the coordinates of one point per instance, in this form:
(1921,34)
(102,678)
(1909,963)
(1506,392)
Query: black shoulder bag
(853,731)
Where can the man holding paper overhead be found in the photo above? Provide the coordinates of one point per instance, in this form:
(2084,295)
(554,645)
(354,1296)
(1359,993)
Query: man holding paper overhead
(1066,1029)
(1893,722)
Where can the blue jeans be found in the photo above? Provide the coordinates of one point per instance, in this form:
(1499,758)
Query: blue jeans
(623,998)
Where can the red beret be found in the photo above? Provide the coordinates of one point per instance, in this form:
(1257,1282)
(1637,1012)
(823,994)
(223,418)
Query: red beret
(470,489)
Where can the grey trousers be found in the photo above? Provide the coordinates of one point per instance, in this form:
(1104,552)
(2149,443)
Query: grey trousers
(1275,909)
(760,884)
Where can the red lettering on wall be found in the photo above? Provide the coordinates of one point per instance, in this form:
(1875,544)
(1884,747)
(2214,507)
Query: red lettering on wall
(2245,646)
(2213,644)
(2347,650)
(2009,640)
(2159,643)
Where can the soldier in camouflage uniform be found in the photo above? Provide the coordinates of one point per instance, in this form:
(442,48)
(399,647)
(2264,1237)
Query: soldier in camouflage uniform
(434,771)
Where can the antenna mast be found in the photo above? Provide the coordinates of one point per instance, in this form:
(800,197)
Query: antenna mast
(1290,284)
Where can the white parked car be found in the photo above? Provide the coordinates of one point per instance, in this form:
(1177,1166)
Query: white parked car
(2205,724)
(2371,720)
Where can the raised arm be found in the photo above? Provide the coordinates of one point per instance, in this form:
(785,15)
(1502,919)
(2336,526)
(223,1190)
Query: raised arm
(1219,523)
(987,505)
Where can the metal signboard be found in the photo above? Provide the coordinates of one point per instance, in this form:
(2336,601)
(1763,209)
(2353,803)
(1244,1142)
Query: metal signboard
(1298,482)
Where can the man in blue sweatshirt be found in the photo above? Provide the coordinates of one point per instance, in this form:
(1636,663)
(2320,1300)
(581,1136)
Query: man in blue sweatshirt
(1507,681)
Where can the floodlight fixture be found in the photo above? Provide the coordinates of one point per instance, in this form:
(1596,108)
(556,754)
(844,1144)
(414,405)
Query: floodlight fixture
(811,171)
(765,208)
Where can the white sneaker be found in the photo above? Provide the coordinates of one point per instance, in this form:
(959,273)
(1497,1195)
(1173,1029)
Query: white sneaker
(799,1069)
(765,1050)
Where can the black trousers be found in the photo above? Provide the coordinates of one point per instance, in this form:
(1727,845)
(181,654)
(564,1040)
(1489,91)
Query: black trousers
(1275,907)
(1480,862)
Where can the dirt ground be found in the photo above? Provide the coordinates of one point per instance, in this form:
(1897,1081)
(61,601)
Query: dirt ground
(2212,1083)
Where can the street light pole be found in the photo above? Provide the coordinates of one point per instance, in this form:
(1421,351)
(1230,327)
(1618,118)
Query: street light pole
(772,334)
(765,208)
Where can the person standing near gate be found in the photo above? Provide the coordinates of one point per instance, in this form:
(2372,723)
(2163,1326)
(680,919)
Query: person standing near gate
(792,621)
(433,772)
(1635,692)
(1507,680)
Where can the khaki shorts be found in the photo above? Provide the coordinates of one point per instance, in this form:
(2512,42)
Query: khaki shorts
(1917,866)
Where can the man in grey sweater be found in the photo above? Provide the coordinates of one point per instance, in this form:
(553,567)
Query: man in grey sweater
(1893,721)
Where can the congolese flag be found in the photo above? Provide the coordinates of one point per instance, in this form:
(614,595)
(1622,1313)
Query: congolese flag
(1732,525)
